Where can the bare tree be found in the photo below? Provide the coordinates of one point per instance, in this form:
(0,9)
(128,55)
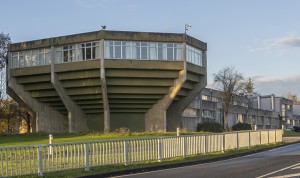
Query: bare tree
(230,81)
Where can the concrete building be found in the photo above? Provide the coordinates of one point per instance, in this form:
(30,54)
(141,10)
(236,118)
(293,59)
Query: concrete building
(262,112)
(105,80)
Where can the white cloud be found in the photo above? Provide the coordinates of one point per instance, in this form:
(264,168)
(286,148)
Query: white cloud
(279,46)
(277,86)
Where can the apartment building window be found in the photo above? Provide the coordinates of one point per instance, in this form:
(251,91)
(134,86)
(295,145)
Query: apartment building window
(288,107)
(215,99)
(207,113)
(283,110)
(68,53)
(205,97)
(142,50)
(189,112)
(44,56)
(193,55)
(240,118)
(91,51)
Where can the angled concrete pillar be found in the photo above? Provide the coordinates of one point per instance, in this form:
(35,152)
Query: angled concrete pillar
(174,112)
(156,117)
(106,109)
(47,119)
(76,117)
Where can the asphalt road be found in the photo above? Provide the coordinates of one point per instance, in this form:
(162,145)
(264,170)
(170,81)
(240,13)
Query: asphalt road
(280,162)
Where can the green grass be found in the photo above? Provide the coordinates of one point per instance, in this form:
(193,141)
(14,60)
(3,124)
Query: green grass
(290,134)
(107,169)
(33,139)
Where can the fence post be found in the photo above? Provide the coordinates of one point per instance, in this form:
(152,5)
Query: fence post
(40,161)
(275,136)
(126,152)
(237,140)
(224,143)
(249,139)
(184,147)
(86,155)
(268,137)
(50,142)
(259,137)
(205,144)
(160,149)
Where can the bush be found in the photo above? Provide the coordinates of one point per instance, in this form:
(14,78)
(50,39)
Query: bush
(296,129)
(210,127)
(241,126)
(123,130)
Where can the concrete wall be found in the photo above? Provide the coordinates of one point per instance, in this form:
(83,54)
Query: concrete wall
(135,122)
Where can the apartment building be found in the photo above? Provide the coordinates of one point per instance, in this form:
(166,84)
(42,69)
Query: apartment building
(262,112)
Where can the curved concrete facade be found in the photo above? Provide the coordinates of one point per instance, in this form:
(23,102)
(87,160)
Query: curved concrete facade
(105,94)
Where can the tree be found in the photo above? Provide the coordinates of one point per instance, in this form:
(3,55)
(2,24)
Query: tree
(249,86)
(4,42)
(293,97)
(230,81)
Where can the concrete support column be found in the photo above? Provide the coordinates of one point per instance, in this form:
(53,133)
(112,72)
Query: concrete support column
(174,112)
(156,117)
(106,109)
(76,117)
(47,119)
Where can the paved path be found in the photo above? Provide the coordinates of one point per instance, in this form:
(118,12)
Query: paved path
(284,161)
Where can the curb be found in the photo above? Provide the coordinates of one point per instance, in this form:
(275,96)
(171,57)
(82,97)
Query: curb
(188,163)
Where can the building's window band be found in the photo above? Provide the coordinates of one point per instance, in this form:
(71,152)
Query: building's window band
(132,50)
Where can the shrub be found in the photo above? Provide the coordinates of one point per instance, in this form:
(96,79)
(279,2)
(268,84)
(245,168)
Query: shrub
(210,127)
(241,126)
(123,130)
(296,128)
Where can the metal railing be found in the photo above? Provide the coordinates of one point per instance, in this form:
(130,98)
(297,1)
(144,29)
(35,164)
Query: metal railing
(39,159)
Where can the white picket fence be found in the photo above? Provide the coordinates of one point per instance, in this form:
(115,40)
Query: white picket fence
(39,159)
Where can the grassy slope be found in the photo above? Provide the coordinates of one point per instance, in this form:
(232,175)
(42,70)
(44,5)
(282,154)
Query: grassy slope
(33,139)
(291,134)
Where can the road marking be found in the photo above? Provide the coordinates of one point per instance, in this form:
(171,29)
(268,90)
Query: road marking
(127,175)
(286,176)
(279,170)
(298,167)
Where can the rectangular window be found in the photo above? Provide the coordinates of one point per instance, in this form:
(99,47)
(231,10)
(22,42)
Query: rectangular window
(193,55)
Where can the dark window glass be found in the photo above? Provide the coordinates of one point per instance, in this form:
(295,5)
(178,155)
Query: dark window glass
(66,56)
(170,53)
(144,53)
(83,53)
(118,52)
(88,53)
(94,53)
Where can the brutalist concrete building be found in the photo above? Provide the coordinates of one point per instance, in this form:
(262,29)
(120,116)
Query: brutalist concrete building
(261,111)
(105,80)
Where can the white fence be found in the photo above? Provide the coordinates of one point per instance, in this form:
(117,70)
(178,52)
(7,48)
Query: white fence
(39,159)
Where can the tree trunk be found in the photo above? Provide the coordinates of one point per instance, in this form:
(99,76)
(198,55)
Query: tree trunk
(28,122)
(226,126)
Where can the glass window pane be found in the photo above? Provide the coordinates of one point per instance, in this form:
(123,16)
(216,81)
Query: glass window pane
(170,53)
(144,53)
(118,52)
(88,53)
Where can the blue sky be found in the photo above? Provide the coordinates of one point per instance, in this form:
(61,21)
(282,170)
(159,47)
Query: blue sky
(261,38)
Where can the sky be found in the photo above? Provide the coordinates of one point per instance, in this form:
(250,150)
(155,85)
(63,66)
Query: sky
(260,38)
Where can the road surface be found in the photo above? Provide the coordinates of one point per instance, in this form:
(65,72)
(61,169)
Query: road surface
(280,162)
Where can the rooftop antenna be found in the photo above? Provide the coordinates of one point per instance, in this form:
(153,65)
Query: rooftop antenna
(187,26)
(103,27)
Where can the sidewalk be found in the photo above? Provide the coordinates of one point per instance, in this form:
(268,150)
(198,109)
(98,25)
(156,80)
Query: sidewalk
(291,139)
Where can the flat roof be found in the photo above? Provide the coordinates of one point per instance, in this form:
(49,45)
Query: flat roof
(108,35)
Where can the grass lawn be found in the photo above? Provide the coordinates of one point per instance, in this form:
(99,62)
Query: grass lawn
(33,139)
(290,134)
(112,168)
